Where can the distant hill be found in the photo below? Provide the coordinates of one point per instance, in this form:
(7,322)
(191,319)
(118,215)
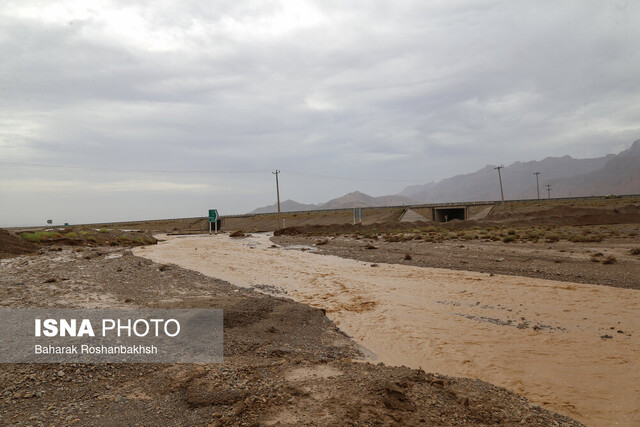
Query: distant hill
(361,200)
(568,177)
(619,174)
(351,200)
(286,206)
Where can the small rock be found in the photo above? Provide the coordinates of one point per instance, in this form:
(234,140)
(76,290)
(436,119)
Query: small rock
(238,409)
(60,373)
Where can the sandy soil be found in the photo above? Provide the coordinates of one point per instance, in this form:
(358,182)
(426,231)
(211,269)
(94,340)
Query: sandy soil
(285,362)
(571,347)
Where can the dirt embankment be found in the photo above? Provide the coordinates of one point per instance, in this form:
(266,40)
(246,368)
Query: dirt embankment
(568,215)
(284,361)
(78,236)
(500,216)
(12,245)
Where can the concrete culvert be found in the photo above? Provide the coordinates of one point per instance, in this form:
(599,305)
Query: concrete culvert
(447,214)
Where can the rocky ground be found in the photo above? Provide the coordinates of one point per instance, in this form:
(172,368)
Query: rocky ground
(285,362)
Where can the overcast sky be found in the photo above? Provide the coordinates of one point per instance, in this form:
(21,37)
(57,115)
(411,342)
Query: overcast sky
(339,95)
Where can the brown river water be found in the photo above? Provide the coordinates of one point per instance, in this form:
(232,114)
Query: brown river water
(539,338)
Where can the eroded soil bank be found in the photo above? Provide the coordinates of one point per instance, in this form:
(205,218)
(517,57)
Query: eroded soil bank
(571,347)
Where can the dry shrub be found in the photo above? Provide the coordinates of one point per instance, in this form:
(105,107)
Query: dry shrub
(552,238)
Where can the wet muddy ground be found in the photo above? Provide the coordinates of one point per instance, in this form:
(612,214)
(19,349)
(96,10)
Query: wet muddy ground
(285,362)
(526,334)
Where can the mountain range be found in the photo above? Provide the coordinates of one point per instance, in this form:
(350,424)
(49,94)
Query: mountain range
(355,199)
(566,176)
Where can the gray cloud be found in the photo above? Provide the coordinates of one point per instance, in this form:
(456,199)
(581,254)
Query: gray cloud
(408,90)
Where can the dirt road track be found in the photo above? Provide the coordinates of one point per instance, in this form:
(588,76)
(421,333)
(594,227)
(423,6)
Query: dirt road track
(573,348)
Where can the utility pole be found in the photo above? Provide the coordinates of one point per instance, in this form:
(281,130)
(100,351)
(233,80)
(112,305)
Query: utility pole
(548,190)
(500,177)
(537,183)
(278,193)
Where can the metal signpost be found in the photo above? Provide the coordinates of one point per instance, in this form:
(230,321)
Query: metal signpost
(213,217)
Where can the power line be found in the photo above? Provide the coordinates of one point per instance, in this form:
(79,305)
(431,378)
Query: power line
(131,170)
(205,171)
(344,178)
(548,190)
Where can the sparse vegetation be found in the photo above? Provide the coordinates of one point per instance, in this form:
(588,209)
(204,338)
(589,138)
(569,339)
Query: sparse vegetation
(30,237)
(493,232)
(39,236)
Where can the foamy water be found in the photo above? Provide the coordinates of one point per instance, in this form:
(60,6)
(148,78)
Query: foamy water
(539,338)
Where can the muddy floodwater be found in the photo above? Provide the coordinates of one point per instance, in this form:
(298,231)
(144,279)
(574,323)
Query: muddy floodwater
(572,348)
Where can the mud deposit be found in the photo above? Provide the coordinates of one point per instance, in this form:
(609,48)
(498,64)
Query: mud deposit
(571,347)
